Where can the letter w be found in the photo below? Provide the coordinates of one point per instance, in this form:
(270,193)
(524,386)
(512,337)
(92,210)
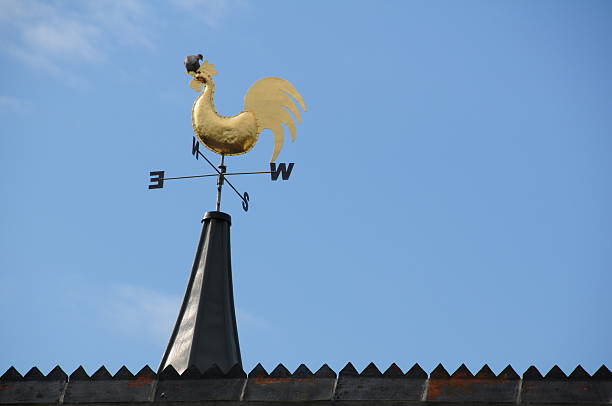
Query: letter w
(281,170)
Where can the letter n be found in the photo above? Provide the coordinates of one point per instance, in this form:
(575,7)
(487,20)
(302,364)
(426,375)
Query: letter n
(195,148)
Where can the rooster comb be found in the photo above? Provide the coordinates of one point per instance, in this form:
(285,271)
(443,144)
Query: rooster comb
(208,69)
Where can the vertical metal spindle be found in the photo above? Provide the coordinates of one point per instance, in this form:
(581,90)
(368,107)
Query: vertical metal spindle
(220,178)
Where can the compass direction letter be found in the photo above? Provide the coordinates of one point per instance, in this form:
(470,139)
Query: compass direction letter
(283,170)
(195,148)
(245,201)
(157,180)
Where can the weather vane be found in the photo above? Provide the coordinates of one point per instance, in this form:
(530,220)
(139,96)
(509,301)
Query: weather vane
(266,105)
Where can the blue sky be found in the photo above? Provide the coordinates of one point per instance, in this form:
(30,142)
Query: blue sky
(450,200)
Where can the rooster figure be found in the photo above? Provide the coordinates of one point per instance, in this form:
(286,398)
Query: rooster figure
(266,105)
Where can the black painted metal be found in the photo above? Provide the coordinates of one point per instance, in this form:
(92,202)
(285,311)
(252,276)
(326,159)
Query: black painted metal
(215,387)
(283,170)
(205,332)
(157,179)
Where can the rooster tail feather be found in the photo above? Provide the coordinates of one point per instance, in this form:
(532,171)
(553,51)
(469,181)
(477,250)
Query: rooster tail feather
(268,99)
(279,138)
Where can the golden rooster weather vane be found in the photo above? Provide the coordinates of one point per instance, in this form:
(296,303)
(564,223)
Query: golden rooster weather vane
(266,105)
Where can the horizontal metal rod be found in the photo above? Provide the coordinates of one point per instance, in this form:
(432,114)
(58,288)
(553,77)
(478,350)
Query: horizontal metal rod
(214,174)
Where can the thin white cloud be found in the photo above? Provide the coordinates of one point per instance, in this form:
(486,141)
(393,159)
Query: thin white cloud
(211,12)
(249,320)
(135,311)
(13,104)
(140,312)
(58,36)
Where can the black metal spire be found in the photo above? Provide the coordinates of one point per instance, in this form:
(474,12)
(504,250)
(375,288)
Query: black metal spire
(205,332)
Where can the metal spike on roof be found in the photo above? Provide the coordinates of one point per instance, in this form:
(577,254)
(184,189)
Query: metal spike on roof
(555,373)
(462,373)
(371,371)
(258,372)
(325,372)
(280,372)
(11,374)
(509,373)
(123,373)
(439,372)
(579,374)
(302,372)
(79,374)
(393,372)
(146,372)
(485,373)
(603,374)
(532,374)
(101,374)
(169,373)
(57,374)
(416,372)
(205,332)
(348,370)
(34,374)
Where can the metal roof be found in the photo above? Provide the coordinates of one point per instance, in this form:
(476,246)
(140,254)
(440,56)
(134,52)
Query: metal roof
(303,386)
